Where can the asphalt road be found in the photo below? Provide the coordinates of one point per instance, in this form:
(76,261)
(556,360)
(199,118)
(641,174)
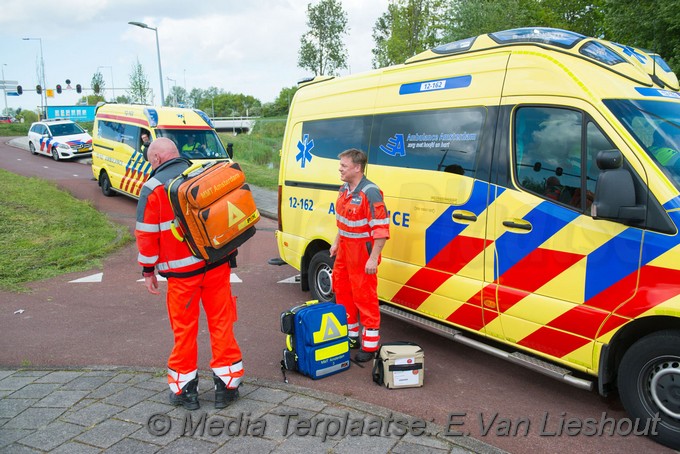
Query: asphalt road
(116,322)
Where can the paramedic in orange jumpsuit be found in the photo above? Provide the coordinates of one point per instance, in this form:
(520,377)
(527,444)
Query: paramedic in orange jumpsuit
(363,229)
(190,280)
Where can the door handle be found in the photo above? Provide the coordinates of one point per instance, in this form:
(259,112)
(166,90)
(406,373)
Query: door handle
(464,216)
(518,224)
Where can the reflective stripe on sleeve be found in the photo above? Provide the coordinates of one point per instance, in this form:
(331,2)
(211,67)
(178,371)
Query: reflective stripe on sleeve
(147,260)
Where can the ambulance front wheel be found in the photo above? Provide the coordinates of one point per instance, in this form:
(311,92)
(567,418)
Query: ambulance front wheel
(105,184)
(320,276)
(649,386)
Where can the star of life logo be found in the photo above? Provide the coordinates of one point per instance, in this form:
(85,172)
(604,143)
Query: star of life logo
(305,145)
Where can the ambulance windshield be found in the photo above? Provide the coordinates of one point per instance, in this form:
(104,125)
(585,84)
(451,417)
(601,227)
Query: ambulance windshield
(655,125)
(195,143)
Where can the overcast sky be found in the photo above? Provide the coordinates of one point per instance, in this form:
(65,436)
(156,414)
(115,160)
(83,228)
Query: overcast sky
(248,47)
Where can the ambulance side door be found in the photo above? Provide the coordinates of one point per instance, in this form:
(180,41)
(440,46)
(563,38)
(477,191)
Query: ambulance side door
(552,262)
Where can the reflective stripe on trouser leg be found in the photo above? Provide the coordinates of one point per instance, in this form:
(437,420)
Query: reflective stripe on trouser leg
(177,381)
(353,330)
(183,309)
(221,312)
(230,375)
(370,340)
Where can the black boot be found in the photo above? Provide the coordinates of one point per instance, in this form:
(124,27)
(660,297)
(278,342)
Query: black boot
(364,356)
(223,396)
(188,398)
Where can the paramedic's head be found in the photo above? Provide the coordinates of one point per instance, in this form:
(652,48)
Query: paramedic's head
(352,165)
(162,150)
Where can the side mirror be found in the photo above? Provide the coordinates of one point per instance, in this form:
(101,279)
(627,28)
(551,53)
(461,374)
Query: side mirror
(615,191)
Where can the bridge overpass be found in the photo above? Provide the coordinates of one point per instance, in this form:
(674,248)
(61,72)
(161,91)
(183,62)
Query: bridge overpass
(237,125)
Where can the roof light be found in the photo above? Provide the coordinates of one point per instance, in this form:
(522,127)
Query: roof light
(457,46)
(600,52)
(552,36)
(151,116)
(205,117)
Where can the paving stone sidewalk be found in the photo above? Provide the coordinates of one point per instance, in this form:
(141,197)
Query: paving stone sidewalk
(111,409)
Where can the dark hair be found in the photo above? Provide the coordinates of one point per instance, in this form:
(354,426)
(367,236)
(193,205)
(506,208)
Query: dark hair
(357,157)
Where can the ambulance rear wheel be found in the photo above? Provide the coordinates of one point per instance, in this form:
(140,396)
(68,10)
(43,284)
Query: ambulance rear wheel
(31,148)
(105,184)
(649,386)
(321,276)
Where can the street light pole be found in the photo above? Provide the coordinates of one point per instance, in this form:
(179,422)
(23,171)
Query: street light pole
(113,89)
(158,50)
(43,105)
(4,90)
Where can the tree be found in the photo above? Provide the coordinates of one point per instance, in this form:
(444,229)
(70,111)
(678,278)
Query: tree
(406,29)
(139,91)
(97,83)
(281,104)
(653,25)
(178,97)
(321,48)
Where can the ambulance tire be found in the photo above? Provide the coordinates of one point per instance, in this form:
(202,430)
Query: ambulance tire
(55,154)
(320,276)
(105,184)
(31,148)
(649,385)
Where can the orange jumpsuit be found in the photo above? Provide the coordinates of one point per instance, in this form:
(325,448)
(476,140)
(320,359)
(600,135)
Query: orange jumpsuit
(361,218)
(190,280)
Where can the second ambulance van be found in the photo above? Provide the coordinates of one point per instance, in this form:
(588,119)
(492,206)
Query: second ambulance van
(118,160)
(533,182)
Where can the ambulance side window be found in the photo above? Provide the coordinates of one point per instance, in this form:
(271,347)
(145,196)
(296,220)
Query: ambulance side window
(441,140)
(329,138)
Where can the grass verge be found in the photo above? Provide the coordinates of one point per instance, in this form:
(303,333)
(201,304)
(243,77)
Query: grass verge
(46,232)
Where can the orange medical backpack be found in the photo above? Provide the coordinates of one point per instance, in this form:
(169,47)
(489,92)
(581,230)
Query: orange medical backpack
(214,209)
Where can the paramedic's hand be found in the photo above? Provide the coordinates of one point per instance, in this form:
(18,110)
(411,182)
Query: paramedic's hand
(332,251)
(151,283)
(371,265)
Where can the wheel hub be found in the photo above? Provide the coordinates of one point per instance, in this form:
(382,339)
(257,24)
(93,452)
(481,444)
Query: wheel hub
(665,387)
(324,281)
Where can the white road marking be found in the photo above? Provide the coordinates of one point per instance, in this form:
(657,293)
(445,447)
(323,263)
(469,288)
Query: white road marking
(291,280)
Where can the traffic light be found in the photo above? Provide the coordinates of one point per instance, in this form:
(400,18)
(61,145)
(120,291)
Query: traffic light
(19,89)
(79,89)
(38,89)
(59,88)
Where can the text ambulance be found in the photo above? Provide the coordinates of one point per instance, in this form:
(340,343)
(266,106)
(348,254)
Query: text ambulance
(118,161)
(533,183)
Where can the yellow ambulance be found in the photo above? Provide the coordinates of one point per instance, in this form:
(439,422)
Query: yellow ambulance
(533,182)
(118,159)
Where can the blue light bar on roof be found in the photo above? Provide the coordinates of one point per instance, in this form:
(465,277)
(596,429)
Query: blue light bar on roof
(151,116)
(601,53)
(205,117)
(454,47)
(552,36)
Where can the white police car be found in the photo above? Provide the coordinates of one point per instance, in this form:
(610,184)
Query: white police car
(59,139)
